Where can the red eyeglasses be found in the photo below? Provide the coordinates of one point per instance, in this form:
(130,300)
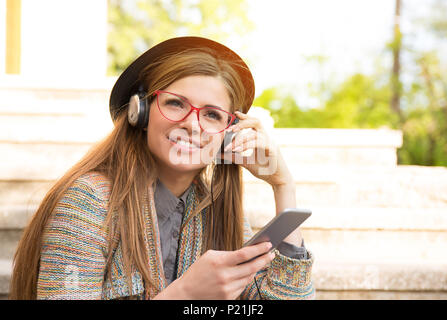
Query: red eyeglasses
(176,108)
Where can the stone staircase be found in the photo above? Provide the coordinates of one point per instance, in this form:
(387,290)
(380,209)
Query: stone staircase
(378,230)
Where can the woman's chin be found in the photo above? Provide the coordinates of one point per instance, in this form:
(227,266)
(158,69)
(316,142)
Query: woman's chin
(183,168)
(185,163)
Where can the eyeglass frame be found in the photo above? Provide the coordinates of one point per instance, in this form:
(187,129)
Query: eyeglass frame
(157,93)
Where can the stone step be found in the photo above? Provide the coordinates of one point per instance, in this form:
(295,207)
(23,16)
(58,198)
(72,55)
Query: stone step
(35,108)
(416,277)
(347,246)
(374,186)
(427,212)
(367,156)
(41,129)
(340,238)
(23,193)
(322,137)
(380,295)
(9,240)
(16,216)
(43,118)
(347,280)
(351,218)
(5,276)
(339,146)
(14,141)
(368,246)
(357,186)
(55,128)
(32,161)
(16,91)
(351,261)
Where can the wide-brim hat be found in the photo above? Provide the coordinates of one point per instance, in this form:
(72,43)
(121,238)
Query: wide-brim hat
(128,82)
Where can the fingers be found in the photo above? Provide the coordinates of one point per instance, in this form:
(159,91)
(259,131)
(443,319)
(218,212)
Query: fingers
(247,139)
(220,274)
(252,267)
(246,122)
(247,253)
(243,146)
(242,137)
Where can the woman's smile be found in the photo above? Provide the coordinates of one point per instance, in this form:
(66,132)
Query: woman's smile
(184,143)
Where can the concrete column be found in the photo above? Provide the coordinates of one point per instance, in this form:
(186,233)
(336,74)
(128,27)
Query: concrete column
(2,36)
(13,36)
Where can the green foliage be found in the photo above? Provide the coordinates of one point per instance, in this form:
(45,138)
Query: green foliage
(425,140)
(359,102)
(135,26)
(437,21)
(285,111)
(425,128)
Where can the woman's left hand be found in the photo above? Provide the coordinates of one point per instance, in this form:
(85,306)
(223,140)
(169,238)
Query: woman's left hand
(266,161)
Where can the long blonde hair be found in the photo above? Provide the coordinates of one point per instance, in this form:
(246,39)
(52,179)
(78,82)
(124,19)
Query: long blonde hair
(125,159)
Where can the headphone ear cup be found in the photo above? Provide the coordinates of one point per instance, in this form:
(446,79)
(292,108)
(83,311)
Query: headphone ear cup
(138,111)
(133,110)
(143,116)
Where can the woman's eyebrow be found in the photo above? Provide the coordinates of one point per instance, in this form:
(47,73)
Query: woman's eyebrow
(207,105)
(212,106)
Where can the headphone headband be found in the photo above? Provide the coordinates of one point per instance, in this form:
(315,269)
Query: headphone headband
(127,83)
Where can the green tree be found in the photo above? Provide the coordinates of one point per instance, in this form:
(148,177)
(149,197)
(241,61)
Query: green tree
(285,111)
(359,102)
(437,20)
(425,127)
(135,26)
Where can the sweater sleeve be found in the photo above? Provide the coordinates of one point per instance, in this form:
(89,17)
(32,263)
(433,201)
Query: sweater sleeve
(284,278)
(72,261)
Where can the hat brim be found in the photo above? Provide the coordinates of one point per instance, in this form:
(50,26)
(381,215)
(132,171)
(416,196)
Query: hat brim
(127,83)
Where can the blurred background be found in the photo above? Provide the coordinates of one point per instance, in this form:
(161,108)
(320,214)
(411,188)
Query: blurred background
(353,91)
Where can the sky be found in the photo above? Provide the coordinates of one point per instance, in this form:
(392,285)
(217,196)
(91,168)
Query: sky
(349,34)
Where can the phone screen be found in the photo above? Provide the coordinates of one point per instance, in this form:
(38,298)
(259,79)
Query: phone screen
(280,227)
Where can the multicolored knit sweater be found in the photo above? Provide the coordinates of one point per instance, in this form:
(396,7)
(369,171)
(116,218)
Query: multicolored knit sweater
(74,251)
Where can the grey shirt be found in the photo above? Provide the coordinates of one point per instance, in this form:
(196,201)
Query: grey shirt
(170,211)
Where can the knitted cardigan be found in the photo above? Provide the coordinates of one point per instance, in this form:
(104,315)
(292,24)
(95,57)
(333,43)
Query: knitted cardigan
(74,251)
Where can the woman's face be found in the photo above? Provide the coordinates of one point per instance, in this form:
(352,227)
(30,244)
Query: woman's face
(197,148)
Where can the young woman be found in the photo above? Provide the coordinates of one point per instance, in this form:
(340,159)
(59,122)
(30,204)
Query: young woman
(155,210)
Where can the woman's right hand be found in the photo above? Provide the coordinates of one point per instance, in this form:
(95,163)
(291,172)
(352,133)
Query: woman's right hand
(218,275)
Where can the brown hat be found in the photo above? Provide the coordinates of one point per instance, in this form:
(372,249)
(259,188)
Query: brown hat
(127,83)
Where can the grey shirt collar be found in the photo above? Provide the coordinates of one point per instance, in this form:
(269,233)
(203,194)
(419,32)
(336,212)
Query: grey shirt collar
(166,202)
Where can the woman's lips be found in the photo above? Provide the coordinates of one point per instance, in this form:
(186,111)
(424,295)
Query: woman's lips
(184,144)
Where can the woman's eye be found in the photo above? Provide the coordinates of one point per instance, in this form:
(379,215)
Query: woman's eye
(213,114)
(175,103)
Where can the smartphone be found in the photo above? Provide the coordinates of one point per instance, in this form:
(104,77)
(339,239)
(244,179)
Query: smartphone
(279,227)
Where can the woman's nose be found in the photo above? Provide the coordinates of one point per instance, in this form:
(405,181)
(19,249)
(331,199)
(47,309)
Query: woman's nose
(191,123)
